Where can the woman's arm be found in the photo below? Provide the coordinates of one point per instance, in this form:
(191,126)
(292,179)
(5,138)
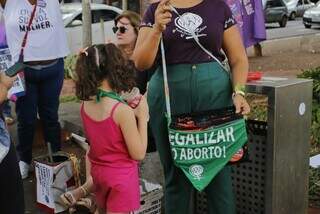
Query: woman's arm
(3,92)
(238,60)
(146,48)
(149,38)
(5,84)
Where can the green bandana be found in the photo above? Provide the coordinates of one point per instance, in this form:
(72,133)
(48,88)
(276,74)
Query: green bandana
(101,93)
(202,154)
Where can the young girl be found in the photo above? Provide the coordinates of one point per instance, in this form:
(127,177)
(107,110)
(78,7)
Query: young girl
(117,133)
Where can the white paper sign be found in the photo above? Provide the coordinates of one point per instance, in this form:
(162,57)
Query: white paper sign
(18,88)
(44,175)
(52,181)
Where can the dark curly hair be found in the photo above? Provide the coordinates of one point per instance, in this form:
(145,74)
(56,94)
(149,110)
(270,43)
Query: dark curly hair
(100,62)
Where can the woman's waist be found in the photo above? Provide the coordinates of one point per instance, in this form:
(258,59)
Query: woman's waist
(190,66)
(177,71)
(41,62)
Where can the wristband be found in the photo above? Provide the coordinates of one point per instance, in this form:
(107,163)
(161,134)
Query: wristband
(242,93)
(240,87)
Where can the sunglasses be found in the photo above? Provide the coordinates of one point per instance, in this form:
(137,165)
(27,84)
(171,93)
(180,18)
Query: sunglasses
(122,29)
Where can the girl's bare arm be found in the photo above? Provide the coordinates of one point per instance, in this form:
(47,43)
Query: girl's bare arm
(134,131)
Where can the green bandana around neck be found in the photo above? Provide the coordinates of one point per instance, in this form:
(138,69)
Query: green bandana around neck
(111,94)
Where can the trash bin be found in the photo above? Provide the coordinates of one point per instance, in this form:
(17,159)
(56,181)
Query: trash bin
(276,179)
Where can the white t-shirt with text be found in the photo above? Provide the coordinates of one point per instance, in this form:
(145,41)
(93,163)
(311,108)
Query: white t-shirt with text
(47,38)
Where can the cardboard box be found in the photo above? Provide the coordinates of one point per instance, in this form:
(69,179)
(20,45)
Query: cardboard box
(52,180)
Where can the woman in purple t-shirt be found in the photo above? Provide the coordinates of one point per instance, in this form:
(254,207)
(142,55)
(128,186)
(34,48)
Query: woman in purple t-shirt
(196,81)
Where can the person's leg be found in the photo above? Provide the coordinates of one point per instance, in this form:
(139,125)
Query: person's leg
(51,81)
(177,187)
(88,185)
(220,193)
(73,196)
(213,91)
(26,109)
(11,194)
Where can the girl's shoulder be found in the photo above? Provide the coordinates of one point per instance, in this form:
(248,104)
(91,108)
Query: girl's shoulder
(121,112)
(103,110)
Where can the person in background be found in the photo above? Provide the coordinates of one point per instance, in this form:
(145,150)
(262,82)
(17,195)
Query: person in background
(197,82)
(11,194)
(46,46)
(126,28)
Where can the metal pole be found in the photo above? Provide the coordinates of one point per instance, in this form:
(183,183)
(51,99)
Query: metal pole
(103,35)
(86,25)
(124,4)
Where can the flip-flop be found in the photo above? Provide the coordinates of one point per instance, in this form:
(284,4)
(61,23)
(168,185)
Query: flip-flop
(65,198)
(86,204)
(69,199)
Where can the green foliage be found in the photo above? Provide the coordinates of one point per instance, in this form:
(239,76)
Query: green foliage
(71,98)
(314,187)
(313,74)
(258,105)
(69,66)
(314,174)
(315,124)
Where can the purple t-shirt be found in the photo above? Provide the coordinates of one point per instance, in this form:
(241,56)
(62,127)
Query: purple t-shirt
(208,19)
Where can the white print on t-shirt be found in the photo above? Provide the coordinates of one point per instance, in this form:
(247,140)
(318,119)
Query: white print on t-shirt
(229,22)
(41,3)
(40,22)
(188,24)
(248,6)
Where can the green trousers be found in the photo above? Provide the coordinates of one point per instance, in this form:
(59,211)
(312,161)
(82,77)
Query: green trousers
(192,88)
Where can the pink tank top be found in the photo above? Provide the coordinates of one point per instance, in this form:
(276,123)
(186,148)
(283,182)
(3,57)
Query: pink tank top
(107,145)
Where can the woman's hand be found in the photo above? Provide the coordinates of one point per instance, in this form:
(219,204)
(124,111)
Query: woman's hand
(142,110)
(7,81)
(241,104)
(162,16)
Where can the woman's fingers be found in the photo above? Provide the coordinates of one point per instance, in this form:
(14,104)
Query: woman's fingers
(241,105)
(163,15)
(246,108)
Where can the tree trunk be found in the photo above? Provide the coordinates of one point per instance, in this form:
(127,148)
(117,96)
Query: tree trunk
(124,4)
(86,24)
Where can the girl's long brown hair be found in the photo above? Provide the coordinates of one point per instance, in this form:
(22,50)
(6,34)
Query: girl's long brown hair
(99,62)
